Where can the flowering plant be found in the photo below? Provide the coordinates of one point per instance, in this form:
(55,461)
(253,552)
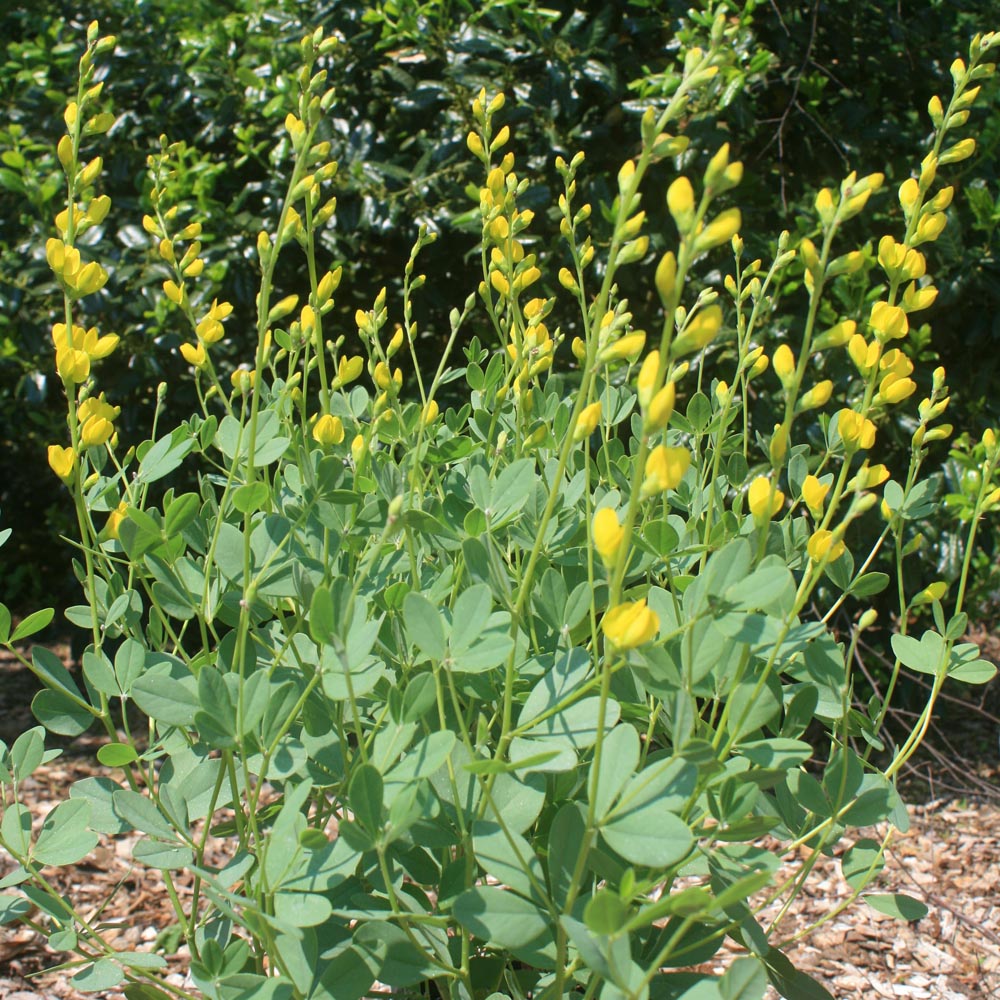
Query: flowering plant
(502,694)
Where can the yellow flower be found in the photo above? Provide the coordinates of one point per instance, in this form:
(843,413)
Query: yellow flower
(661,408)
(821,545)
(665,468)
(680,202)
(629,625)
(818,395)
(62,461)
(97,406)
(348,369)
(194,354)
(243,380)
(587,422)
(96,431)
(628,347)
(647,378)
(814,493)
(855,430)
(783,362)
(720,230)
(699,332)
(888,322)
(429,413)
(665,278)
(838,335)
(763,500)
(608,535)
(328,430)
(358,449)
(115,519)
(72,365)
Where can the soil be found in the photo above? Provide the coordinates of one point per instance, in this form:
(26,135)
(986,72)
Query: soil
(949,859)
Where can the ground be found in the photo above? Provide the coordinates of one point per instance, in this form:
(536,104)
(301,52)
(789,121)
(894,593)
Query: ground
(949,859)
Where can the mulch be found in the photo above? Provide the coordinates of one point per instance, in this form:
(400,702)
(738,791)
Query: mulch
(949,859)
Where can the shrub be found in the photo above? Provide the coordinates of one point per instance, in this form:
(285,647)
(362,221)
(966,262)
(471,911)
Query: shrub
(498,696)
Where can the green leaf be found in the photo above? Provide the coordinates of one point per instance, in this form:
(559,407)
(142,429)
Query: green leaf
(12,908)
(181,512)
(501,918)
(508,857)
(964,665)
(164,456)
(61,714)
(619,759)
(251,497)
(4,624)
(167,693)
(365,796)
(924,656)
(400,962)
(32,624)
(897,905)
(745,979)
(117,755)
(469,616)
(605,913)
(790,982)
(425,626)
(644,827)
(64,838)
(102,975)
(163,856)
(142,814)
(302,909)
(862,862)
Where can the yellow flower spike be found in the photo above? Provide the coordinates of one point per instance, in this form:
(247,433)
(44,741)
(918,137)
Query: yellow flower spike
(720,230)
(783,362)
(823,546)
(328,430)
(661,408)
(647,378)
(630,625)
(818,395)
(627,348)
(115,519)
(608,535)
(763,502)
(62,461)
(429,413)
(814,493)
(194,354)
(73,366)
(96,431)
(680,202)
(700,331)
(665,469)
(586,423)
(665,278)
(856,431)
